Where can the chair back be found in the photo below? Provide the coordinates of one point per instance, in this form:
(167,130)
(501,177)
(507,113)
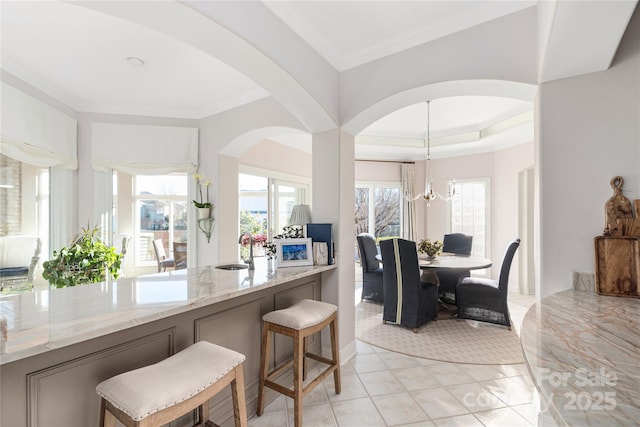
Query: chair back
(400,276)
(503,281)
(20,253)
(457,243)
(158,247)
(368,252)
(180,254)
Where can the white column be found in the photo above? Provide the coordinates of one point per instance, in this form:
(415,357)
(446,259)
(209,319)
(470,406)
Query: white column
(333,201)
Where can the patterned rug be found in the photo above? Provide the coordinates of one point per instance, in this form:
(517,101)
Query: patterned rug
(451,340)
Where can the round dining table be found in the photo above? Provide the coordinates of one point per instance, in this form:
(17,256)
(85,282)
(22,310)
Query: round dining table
(450,261)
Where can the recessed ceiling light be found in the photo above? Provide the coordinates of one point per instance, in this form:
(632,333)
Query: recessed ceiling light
(136,62)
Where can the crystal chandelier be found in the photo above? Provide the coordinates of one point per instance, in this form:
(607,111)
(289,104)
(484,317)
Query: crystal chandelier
(429,193)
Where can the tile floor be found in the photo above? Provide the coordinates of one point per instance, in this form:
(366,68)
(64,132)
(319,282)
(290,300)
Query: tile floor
(384,388)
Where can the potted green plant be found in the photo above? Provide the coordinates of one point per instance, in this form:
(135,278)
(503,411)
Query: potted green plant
(86,260)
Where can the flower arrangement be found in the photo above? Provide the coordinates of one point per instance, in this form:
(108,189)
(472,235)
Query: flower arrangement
(202,181)
(432,249)
(288,232)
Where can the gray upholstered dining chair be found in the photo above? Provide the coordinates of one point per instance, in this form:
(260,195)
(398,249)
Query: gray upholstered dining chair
(486,299)
(407,301)
(459,244)
(371,271)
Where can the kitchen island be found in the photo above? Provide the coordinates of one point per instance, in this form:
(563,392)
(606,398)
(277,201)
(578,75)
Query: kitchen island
(583,354)
(62,342)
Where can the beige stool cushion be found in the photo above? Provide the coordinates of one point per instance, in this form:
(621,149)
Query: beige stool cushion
(302,314)
(142,392)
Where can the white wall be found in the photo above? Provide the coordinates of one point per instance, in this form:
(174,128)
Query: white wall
(274,156)
(502,49)
(502,168)
(383,172)
(589,132)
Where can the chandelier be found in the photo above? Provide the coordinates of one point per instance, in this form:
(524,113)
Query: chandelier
(429,193)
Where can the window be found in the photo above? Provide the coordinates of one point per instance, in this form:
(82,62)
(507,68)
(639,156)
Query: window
(378,210)
(160,211)
(24,201)
(266,202)
(469,213)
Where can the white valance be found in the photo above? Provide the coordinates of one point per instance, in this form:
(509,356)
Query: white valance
(36,133)
(138,149)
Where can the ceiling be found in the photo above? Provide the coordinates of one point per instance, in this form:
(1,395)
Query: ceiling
(67,56)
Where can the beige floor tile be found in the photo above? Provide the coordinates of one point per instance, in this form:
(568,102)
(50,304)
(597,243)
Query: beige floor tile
(357,413)
(317,396)
(278,404)
(398,360)
(315,416)
(452,378)
(426,362)
(475,397)
(503,417)
(514,370)
(351,388)
(509,391)
(418,424)
(269,419)
(432,393)
(382,382)
(364,348)
(439,403)
(527,411)
(399,408)
(524,380)
(467,420)
(347,369)
(483,372)
(419,378)
(368,363)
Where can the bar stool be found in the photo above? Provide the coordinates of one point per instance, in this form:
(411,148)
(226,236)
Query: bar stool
(298,321)
(158,394)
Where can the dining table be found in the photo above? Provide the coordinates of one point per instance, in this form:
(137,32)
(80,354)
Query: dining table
(447,260)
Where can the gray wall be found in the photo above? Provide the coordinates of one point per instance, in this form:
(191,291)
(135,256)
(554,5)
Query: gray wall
(589,131)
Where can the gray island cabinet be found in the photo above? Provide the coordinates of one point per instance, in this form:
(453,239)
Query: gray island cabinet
(62,342)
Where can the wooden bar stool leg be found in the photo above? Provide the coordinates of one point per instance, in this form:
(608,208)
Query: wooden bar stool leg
(335,354)
(239,405)
(264,365)
(203,415)
(304,359)
(107,419)
(298,354)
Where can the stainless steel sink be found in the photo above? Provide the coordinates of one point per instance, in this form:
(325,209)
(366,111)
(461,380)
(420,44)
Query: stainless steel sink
(232,266)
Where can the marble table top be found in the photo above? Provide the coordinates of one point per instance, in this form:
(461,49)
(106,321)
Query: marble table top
(463,262)
(583,353)
(40,321)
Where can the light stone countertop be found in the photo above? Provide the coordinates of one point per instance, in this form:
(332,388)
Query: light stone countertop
(583,353)
(43,320)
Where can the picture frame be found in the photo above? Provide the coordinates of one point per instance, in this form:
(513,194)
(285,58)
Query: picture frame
(294,252)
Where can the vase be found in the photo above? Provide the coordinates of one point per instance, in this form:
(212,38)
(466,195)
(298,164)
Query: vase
(432,257)
(204,213)
(271,265)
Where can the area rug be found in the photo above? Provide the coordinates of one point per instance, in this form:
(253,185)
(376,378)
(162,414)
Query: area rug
(450,340)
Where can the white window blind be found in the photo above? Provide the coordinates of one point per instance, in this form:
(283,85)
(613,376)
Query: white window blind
(139,149)
(36,133)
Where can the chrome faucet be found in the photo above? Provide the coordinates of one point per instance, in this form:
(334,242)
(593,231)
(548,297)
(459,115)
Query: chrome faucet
(250,260)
